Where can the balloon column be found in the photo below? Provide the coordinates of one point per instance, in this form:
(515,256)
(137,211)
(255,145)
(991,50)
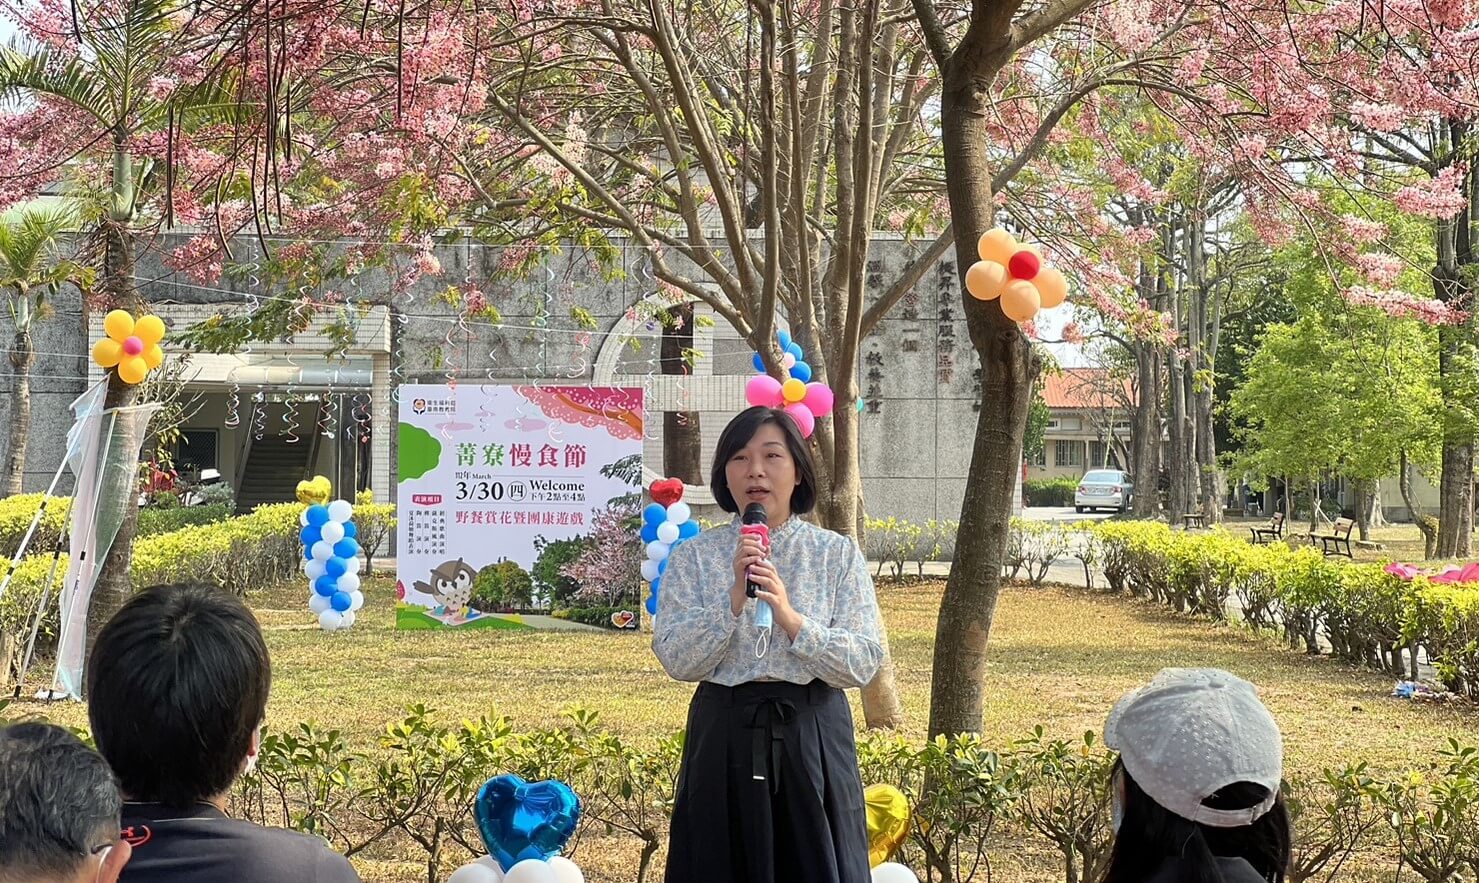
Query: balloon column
(666,523)
(332,563)
(131,347)
(524,825)
(803,400)
(1014,274)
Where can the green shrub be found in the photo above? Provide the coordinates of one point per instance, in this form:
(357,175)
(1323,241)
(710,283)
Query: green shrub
(600,616)
(157,521)
(1049,491)
(16,514)
(502,586)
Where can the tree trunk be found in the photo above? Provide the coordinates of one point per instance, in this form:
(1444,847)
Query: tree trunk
(1180,465)
(1145,461)
(1008,369)
(1425,523)
(682,443)
(21,355)
(1455,260)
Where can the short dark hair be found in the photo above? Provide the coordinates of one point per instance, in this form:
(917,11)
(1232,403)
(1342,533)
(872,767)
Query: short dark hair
(1150,834)
(177,685)
(58,803)
(738,434)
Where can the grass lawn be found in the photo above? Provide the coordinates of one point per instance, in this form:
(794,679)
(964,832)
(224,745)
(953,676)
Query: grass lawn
(1059,658)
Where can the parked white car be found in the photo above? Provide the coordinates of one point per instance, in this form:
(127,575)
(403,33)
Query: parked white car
(1104,489)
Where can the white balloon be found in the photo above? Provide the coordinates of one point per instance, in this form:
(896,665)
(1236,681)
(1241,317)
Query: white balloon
(788,361)
(346,618)
(565,870)
(318,603)
(303,518)
(349,582)
(356,598)
(649,570)
(477,872)
(313,569)
(355,564)
(323,551)
(893,872)
(330,619)
(679,512)
(332,532)
(531,870)
(657,550)
(341,511)
(667,531)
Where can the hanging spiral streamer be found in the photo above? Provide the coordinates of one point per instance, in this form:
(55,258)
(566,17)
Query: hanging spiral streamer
(290,402)
(259,415)
(581,363)
(326,425)
(650,381)
(233,402)
(398,356)
(361,412)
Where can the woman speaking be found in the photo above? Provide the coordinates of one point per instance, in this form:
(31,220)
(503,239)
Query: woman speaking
(773,617)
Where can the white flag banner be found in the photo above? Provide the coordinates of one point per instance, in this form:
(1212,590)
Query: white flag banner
(103,454)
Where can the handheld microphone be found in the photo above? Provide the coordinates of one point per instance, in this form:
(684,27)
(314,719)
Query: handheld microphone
(754,523)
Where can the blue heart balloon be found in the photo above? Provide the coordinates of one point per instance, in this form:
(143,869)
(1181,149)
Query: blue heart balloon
(525,820)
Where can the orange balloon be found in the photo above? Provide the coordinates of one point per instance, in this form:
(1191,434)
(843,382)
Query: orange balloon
(996,245)
(118,324)
(1051,286)
(1020,300)
(149,329)
(107,352)
(793,391)
(984,280)
(153,356)
(132,370)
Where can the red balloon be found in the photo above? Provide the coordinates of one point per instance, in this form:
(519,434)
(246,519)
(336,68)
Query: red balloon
(1024,265)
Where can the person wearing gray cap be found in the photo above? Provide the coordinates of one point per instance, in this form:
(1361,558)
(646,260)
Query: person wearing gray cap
(1196,791)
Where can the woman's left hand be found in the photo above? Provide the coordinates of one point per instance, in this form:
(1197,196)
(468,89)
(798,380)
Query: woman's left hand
(773,591)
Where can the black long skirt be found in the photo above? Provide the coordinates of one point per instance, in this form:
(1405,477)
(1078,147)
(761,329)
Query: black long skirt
(769,789)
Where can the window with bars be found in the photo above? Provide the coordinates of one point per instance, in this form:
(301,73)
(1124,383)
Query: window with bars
(1068,452)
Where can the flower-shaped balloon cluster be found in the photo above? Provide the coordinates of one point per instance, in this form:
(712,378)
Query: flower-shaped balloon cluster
(131,347)
(804,401)
(1015,274)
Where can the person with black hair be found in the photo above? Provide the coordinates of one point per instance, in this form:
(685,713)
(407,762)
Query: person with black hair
(1197,788)
(768,788)
(177,690)
(59,809)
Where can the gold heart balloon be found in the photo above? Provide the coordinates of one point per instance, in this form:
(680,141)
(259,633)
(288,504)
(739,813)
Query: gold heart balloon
(314,492)
(888,821)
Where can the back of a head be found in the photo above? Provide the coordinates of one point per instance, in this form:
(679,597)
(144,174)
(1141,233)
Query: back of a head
(59,804)
(177,685)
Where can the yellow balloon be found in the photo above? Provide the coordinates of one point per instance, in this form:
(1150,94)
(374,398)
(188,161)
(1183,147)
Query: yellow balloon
(997,245)
(984,280)
(107,352)
(150,329)
(315,491)
(132,370)
(153,356)
(119,325)
(1020,300)
(888,821)
(1052,286)
(793,391)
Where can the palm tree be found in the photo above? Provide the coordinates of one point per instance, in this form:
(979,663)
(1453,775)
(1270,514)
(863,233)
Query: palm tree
(30,271)
(121,49)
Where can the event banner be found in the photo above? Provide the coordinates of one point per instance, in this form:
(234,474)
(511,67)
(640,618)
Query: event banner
(514,501)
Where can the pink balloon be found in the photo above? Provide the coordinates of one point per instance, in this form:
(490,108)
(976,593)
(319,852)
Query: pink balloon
(819,399)
(803,417)
(764,391)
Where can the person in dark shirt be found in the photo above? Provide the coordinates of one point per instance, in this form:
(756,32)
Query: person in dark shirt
(1196,790)
(58,809)
(177,688)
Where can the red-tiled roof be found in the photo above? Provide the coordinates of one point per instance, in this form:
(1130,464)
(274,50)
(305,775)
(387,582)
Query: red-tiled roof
(1086,388)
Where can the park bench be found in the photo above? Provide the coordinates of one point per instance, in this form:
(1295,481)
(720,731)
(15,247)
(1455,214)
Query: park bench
(1274,530)
(1193,519)
(1338,540)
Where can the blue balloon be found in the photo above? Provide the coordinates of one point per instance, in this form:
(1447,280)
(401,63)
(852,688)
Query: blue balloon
(687,529)
(525,820)
(310,535)
(801,371)
(341,601)
(662,568)
(649,533)
(656,584)
(794,349)
(652,604)
(326,585)
(318,515)
(350,530)
(307,553)
(758,362)
(785,339)
(335,568)
(655,514)
(346,548)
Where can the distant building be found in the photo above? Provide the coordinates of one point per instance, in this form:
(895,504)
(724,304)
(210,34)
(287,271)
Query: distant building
(1088,426)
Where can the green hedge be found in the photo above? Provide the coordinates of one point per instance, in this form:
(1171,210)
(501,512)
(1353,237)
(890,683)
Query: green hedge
(1367,615)
(157,521)
(600,616)
(1049,491)
(15,519)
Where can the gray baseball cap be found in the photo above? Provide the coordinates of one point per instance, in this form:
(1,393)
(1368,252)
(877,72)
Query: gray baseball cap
(1191,732)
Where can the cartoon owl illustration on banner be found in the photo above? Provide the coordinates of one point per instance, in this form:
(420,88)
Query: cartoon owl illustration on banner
(451,584)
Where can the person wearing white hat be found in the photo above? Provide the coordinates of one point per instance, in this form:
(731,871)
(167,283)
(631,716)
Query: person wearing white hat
(1196,791)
